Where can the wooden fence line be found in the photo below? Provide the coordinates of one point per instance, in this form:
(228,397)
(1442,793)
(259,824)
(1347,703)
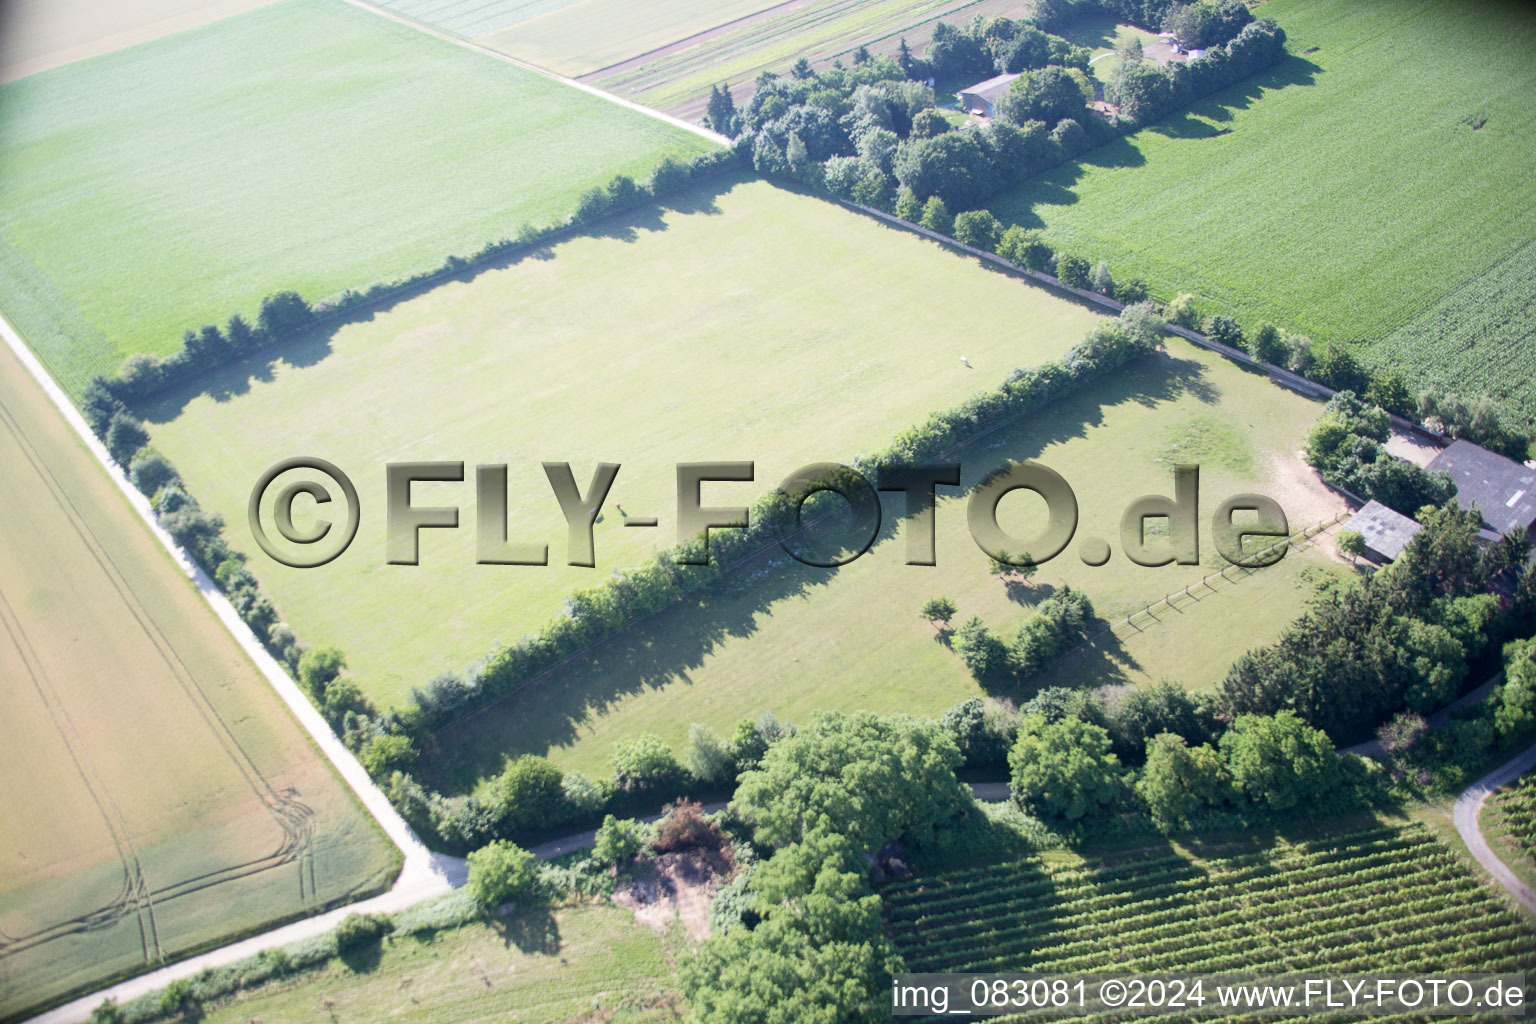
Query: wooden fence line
(1294,539)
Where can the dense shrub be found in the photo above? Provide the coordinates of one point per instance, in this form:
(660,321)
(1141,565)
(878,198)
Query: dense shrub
(645,764)
(502,872)
(361,929)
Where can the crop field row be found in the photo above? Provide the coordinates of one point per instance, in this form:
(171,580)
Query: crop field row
(573,37)
(678,78)
(157,794)
(1477,340)
(1377,899)
(1382,169)
(1511,817)
(166,185)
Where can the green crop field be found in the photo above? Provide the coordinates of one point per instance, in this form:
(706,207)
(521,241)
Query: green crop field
(1380,170)
(158,796)
(678,78)
(1386,898)
(306,145)
(1477,339)
(791,639)
(577,964)
(777,328)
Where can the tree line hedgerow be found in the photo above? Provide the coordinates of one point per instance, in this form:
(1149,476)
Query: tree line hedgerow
(601,611)
(389,743)
(286,314)
(822,816)
(283,315)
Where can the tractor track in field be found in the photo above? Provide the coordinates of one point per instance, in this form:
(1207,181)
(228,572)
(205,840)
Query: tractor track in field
(293,818)
(422,874)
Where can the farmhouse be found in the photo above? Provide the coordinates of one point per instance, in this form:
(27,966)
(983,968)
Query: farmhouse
(1503,490)
(1386,532)
(981,97)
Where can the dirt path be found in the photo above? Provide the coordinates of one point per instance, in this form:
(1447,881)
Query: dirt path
(1470,804)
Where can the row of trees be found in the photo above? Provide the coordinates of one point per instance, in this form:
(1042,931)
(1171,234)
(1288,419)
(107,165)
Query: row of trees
(200,533)
(285,314)
(1146,91)
(1264,767)
(532,798)
(1479,422)
(693,567)
(1055,626)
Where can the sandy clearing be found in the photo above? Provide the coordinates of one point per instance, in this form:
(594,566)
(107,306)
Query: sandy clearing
(1301,492)
(36,35)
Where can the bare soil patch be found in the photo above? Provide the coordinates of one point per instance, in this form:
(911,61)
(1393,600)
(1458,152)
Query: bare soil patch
(676,886)
(1301,492)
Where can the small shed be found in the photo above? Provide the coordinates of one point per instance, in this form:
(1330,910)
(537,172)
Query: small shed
(982,97)
(1386,532)
(1503,490)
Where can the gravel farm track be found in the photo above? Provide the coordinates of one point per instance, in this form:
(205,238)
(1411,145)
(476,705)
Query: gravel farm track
(1468,808)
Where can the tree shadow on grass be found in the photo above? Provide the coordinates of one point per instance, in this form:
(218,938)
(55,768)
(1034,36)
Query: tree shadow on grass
(364,958)
(666,649)
(1056,187)
(232,380)
(532,931)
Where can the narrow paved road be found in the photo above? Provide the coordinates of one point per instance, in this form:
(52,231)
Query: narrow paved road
(1470,804)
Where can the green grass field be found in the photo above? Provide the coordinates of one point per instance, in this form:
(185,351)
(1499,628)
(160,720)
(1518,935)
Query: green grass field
(749,323)
(577,964)
(306,145)
(1385,898)
(1381,169)
(791,639)
(158,796)
(1476,340)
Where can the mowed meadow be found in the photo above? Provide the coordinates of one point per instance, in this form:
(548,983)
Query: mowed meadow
(158,796)
(306,145)
(738,322)
(782,637)
(1381,168)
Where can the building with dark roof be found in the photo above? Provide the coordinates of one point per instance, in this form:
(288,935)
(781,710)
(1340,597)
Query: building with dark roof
(982,97)
(1386,532)
(1503,490)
